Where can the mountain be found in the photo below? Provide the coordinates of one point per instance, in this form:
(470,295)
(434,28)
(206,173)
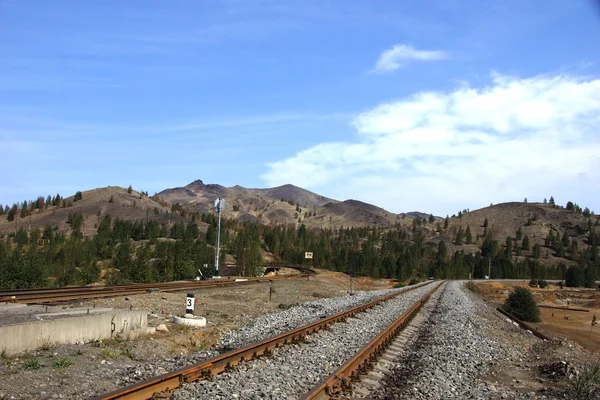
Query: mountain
(517,220)
(355,213)
(282,204)
(115,201)
(288,204)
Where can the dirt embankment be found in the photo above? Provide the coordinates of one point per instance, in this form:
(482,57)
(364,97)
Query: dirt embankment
(567,322)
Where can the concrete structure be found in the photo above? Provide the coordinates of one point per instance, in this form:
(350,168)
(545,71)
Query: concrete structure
(190,320)
(25,328)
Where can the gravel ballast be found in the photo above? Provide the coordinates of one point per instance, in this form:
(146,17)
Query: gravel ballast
(294,369)
(453,349)
(270,325)
(255,330)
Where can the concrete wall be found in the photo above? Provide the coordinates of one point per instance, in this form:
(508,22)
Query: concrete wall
(30,336)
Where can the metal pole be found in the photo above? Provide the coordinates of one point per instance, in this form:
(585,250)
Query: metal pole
(350,284)
(218,241)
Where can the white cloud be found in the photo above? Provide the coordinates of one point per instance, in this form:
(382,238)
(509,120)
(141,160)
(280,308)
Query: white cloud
(443,152)
(399,54)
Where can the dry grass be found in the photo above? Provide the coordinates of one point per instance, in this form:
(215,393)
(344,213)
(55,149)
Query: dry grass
(188,340)
(578,325)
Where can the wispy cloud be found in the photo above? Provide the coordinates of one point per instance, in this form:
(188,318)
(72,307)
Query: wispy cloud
(532,137)
(400,54)
(225,122)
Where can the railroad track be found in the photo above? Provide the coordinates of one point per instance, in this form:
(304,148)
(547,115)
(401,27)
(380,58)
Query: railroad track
(209,369)
(51,295)
(361,376)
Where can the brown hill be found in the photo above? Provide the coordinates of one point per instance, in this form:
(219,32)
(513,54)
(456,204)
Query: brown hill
(536,221)
(112,200)
(289,204)
(279,205)
(354,213)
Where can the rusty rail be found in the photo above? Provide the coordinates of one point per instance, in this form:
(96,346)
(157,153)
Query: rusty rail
(341,380)
(227,361)
(89,292)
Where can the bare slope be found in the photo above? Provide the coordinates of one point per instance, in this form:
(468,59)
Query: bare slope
(282,204)
(535,220)
(95,204)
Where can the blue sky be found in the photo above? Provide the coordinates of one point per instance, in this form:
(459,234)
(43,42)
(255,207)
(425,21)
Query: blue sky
(433,106)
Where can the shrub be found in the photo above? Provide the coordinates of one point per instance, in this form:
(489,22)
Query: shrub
(471,286)
(522,305)
(413,281)
(62,362)
(32,363)
(542,283)
(587,382)
(533,283)
(399,285)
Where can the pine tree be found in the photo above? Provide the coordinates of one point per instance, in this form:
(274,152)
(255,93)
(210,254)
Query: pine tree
(446,222)
(522,305)
(485,223)
(565,239)
(508,248)
(536,251)
(469,236)
(11,214)
(525,245)
(459,236)
(129,189)
(519,234)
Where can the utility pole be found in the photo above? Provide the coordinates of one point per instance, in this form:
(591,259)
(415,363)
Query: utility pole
(219,206)
(350,279)
(489,268)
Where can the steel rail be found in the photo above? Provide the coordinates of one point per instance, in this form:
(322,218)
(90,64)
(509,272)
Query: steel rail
(224,362)
(78,293)
(341,380)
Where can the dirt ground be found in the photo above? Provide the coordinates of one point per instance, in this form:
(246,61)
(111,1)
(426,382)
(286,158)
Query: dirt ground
(542,367)
(577,327)
(80,371)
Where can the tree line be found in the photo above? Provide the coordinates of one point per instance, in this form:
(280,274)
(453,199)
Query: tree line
(125,251)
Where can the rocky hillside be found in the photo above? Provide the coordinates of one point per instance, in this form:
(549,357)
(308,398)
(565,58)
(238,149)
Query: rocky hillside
(115,201)
(528,229)
(282,204)
(524,225)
